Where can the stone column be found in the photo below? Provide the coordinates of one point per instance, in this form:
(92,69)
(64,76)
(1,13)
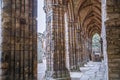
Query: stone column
(87,52)
(73,52)
(101,50)
(55,48)
(84,48)
(19,40)
(82,53)
(78,41)
(89,48)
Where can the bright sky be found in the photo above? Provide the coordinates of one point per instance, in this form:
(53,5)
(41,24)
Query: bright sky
(41,16)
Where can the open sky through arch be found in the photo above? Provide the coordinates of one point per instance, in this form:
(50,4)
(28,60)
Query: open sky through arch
(41,17)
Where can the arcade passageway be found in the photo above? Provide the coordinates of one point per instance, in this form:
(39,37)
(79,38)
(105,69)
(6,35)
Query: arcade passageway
(71,46)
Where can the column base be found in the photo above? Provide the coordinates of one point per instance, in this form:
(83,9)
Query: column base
(57,75)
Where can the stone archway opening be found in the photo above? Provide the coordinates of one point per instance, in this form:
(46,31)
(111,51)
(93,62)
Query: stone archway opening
(41,55)
(96,48)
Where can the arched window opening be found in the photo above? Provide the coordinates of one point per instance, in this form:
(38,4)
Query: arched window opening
(96,48)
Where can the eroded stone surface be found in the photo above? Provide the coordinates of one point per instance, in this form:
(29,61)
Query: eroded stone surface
(19,40)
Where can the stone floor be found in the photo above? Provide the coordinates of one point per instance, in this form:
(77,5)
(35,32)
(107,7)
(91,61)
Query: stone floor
(41,70)
(91,71)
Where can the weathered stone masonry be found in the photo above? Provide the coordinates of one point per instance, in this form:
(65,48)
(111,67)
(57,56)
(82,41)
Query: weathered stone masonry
(113,38)
(19,40)
(56,61)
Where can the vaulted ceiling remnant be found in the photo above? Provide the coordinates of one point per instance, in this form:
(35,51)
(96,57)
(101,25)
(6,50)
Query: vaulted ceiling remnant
(89,14)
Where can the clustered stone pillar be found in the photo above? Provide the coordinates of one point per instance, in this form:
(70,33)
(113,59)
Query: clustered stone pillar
(89,51)
(84,48)
(101,44)
(19,40)
(73,55)
(55,45)
(79,46)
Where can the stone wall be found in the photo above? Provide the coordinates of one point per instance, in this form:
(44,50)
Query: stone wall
(113,48)
(113,38)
